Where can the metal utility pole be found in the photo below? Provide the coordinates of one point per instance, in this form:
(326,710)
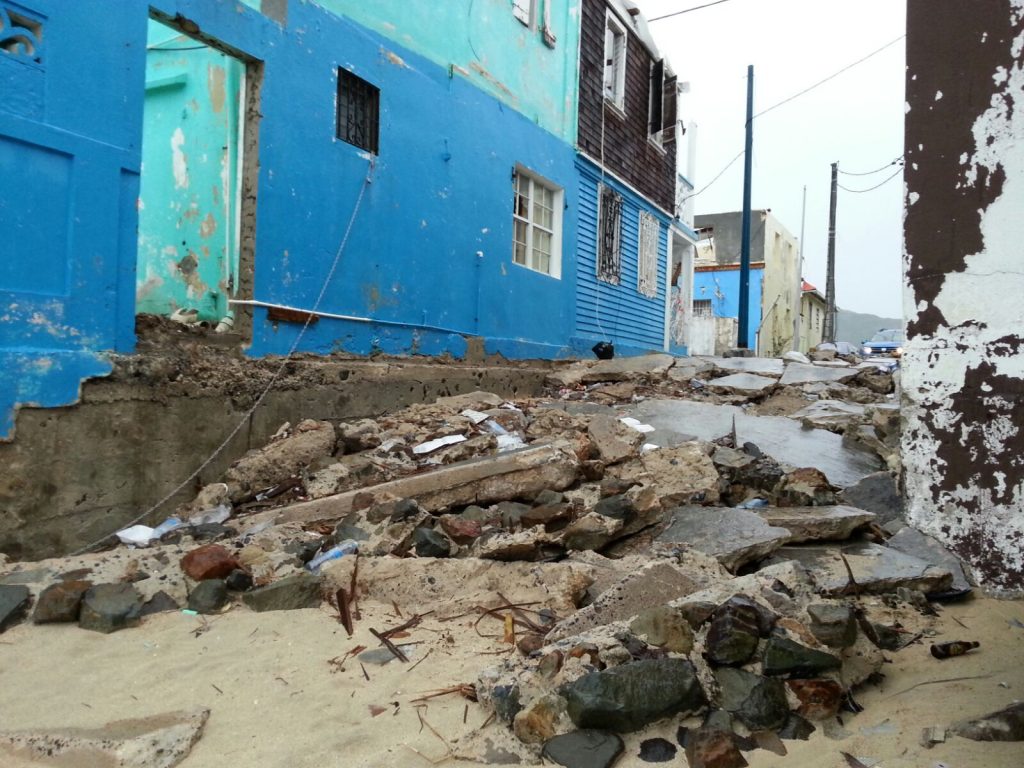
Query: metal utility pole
(828,332)
(741,341)
(799,276)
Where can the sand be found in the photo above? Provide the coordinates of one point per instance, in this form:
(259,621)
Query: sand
(276,700)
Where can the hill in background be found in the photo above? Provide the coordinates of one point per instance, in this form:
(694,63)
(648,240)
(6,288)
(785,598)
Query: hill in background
(856,327)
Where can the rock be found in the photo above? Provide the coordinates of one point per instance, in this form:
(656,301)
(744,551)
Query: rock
(654,584)
(664,627)
(816,523)
(745,384)
(158,603)
(876,493)
(109,607)
(757,702)
(210,561)
(158,741)
(733,536)
(431,543)
(551,516)
(280,459)
(530,643)
(547,497)
(683,474)
(209,497)
(876,380)
(591,532)
(797,374)
(476,400)
(359,435)
(628,368)
(876,569)
(833,624)
(761,366)
(459,529)
(614,440)
(783,656)
(805,487)
(696,613)
(209,596)
(537,723)
(584,749)
(731,459)
(60,602)
(500,545)
(617,507)
(796,728)
(796,357)
(14,602)
(833,415)
(628,697)
(911,541)
(657,751)
(239,581)
(505,699)
(301,590)
(819,699)
(1005,725)
(713,748)
(736,627)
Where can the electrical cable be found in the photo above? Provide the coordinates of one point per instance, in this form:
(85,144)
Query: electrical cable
(830,77)
(870,189)
(367,180)
(717,177)
(872,173)
(686,10)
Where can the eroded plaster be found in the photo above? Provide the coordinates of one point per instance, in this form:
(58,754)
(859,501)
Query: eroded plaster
(963,373)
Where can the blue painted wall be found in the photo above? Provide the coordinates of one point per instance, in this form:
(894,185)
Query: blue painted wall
(722,287)
(618,313)
(431,244)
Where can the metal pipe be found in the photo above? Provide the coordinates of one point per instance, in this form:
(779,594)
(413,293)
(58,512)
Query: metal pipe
(353,318)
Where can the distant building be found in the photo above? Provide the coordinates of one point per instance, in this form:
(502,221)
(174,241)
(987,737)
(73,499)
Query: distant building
(812,317)
(774,279)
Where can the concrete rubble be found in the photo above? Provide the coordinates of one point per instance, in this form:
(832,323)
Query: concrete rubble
(674,554)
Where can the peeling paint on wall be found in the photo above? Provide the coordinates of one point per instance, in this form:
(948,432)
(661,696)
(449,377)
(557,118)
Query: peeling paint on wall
(963,372)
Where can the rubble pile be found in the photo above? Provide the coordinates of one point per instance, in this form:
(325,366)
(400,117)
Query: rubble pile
(691,582)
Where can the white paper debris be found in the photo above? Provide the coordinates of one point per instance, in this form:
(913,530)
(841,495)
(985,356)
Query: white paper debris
(139,535)
(648,447)
(211,516)
(440,442)
(509,443)
(475,416)
(629,421)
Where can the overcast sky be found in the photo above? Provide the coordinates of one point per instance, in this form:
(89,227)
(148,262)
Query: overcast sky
(855,120)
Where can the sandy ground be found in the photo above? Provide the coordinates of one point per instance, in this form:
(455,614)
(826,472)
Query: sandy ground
(276,701)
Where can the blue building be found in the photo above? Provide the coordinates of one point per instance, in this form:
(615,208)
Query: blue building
(287,172)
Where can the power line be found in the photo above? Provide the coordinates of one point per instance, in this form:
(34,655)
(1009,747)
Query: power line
(870,189)
(872,173)
(686,10)
(830,77)
(717,177)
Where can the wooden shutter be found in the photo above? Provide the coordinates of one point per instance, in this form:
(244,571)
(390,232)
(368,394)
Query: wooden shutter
(657,91)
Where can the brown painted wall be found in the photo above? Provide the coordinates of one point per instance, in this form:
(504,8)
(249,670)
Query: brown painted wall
(963,372)
(627,151)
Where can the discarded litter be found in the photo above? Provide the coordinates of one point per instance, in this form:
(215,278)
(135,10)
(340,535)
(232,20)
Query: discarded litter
(213,516)
(475,416)
(757,503)
(138,535)
(648,447)
(955,648)
(636,424)
(509,443)
(347,547)
(495,428)
(167,526)
(440,442)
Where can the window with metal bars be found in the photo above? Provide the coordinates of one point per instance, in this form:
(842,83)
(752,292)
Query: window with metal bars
(647,267)
(358,111)
(609,229)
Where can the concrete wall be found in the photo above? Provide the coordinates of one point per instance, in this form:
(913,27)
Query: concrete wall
(812,319)
(963,371)
(722,287)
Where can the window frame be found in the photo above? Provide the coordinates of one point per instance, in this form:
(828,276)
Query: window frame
(647,261)
(612,277)
(614,93)
(349,83)
(525,12)
(531,252)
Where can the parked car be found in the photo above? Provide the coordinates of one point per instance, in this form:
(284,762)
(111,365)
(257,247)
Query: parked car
(887,343)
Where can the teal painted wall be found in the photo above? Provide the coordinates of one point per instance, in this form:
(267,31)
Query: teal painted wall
(188,249)
(491,48)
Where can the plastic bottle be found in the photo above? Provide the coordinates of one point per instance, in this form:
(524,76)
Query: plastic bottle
(166,526)
(347,547)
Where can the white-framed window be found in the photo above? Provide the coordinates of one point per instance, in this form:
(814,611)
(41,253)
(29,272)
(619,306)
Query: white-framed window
(609,230)
(647,262)
(614,61)
(523,10)
(537,223)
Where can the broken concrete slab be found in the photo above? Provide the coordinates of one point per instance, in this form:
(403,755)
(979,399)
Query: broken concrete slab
(816,523)
(280,459)
(681,474)
(778,436)
(833,415)
(613,440)
(747,384)
(158,741)
(1005,725)
(14,602)
(876,569)
(516,474)
(876,493)
(476,400)
(733,536)
(652,585)
(687,368)
(798,373)
(760,366)
(911,541)
(628,368)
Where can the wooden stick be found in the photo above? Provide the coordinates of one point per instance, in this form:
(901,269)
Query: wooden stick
(344,610)
(395,650)
(353,589)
